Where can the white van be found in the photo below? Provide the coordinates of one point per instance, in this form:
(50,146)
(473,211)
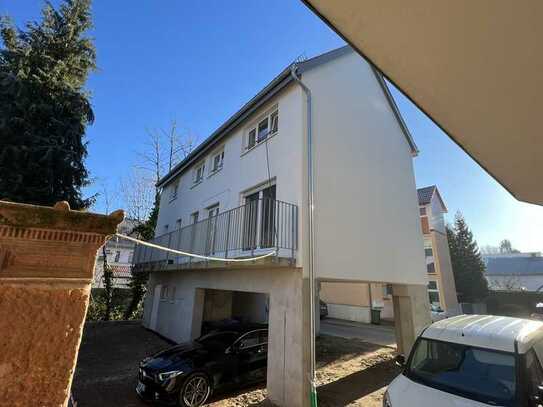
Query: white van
(472,361)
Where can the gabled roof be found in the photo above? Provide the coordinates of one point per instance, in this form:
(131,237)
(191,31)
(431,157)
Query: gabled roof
(520,266)
(269,91)
(425,195)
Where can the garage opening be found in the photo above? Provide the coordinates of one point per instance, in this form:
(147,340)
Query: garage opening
(246,315)
(224,308)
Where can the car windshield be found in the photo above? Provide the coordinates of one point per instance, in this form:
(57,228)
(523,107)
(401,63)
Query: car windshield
(484,375)
(218,340)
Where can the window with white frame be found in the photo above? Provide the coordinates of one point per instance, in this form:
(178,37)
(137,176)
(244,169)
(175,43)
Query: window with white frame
(199,173)
(173,190)
(217,161)
(265,127)
(433,292)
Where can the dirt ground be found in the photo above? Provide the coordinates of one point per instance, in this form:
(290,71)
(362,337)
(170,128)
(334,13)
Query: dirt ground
(349,372)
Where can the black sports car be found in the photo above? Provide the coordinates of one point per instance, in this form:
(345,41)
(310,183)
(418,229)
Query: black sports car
(187,374)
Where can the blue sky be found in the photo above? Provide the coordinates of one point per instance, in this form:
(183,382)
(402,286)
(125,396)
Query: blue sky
(197,62)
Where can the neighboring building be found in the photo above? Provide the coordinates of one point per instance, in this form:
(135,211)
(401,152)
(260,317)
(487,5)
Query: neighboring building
(441,286)
(514,271)
(120,253)
(244,192)
(353,301)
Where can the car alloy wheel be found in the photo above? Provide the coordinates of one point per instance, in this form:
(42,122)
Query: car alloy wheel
(195,391)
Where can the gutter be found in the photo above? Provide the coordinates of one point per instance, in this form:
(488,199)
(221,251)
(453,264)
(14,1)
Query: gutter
(311,240)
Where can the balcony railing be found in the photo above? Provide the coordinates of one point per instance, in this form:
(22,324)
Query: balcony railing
(246,231)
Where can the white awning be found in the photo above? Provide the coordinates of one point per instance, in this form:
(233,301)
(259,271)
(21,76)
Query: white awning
(475,67)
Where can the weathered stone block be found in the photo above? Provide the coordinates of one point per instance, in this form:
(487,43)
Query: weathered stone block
(47,258)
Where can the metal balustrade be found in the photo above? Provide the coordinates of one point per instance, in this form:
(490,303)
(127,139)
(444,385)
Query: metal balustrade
(246,231)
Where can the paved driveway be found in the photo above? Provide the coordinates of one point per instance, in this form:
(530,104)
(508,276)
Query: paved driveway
(350,371)
(378,334)
(107,365)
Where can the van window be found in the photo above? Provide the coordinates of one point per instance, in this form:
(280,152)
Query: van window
(484,375)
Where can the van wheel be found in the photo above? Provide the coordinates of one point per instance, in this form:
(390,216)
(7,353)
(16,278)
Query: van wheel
(195,391)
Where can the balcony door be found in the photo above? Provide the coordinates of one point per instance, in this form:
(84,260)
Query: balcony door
(212,213)
(267,217)
(250,221)
(259,219)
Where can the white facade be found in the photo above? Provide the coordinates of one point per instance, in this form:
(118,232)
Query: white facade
(366,214)
(119,253)
(366,220)
(243,171)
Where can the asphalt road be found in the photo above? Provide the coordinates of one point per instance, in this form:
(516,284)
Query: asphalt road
(377,334)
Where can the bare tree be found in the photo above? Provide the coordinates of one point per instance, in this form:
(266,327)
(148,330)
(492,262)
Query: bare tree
(164,149)
(138,194)
(508,283)
(107,272)
(489,250)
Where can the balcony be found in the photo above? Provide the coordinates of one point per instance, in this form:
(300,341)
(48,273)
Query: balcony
(250,230)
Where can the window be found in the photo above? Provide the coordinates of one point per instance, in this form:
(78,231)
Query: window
(173,190)
(117,256)
(431,268)
(274,119)
(251,139)
(262,130)
(428,252)
(217,161)
(483,375)
(433,292)
(254,338)
(213,211)
(194,217)
(164,292)
(422,211)
(265,128)
(199,173)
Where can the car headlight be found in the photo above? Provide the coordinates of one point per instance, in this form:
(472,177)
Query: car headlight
(169,375)
(386,400)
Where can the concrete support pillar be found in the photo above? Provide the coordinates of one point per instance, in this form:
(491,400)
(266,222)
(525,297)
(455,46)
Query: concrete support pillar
(411,314)
(288,345)
(47,258)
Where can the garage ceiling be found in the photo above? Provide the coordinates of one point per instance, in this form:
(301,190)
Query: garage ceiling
(474,67)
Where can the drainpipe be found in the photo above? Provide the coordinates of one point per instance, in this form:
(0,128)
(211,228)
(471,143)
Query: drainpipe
(311,240)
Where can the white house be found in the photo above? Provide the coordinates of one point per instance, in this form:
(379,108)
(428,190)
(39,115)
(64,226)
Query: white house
(119,253)
(244,192)
(353,301)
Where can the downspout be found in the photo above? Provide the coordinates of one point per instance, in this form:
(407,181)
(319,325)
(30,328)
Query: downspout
(311,239)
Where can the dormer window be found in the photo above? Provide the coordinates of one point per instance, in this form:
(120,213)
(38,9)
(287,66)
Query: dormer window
(199,173)
(264,128)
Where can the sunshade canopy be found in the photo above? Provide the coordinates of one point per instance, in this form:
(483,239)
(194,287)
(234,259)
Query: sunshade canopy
(474,67)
